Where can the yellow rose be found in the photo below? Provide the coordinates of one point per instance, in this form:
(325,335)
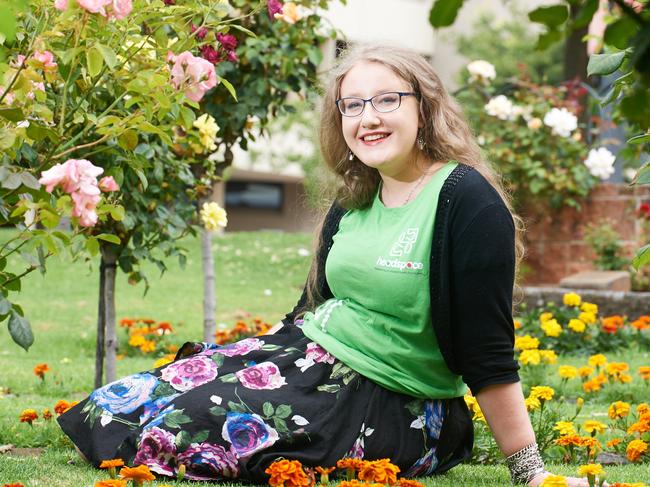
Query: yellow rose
(213,216)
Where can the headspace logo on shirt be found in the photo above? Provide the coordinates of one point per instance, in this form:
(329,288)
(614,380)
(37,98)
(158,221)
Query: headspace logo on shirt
(396,264)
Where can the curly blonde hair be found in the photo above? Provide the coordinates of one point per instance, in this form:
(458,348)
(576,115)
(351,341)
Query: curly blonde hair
(445,132)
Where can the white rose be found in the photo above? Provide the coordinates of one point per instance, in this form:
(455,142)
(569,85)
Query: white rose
(482,71)
(562,121)
(500,107)
(600,163)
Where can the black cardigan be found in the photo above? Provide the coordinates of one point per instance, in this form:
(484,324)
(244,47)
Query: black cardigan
(471,279)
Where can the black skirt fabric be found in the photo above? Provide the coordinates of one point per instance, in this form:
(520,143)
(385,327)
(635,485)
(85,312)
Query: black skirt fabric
(227,412)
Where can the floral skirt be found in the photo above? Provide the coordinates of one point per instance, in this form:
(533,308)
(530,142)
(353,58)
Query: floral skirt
(227,412)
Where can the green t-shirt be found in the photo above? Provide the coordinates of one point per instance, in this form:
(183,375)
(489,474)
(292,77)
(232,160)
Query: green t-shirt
(379,321)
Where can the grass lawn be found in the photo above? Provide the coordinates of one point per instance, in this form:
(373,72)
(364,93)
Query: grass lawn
(259,273)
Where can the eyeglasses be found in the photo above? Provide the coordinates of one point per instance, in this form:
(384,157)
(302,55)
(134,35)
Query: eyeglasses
(384,102)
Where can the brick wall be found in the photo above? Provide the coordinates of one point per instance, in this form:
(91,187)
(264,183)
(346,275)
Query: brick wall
(555,246)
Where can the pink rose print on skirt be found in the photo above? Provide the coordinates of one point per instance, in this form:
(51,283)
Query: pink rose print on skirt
(205,461)
(187,374)
(156,450)
(241,347)
(318,354)
(265,375)
(247,434)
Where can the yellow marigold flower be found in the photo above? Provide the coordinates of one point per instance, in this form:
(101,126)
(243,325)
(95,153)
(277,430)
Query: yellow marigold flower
(588,318)
(580,402)
(592,426)
(552,328)
(589,307)
(565,428)
(542,392)
(544,317)
(571,299)
(530,357)
(618,409)
(591,469)
(624,378)
(137,340)
(213,216)
(470,401)
(148,346)
(577,325)
(526,342)
(642,408)
(597,360)
(532,403)
(585,371)
(164,360)
(548,356)
(635,449)
(28,416)
(644,372)
(554,481)
(567,371)
(478,415)
(615,368)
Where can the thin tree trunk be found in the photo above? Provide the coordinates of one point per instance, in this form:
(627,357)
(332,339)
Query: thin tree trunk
(209,293)
(109,259)
(101,327)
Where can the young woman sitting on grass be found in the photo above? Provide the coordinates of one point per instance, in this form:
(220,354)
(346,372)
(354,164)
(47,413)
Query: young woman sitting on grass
(407,304)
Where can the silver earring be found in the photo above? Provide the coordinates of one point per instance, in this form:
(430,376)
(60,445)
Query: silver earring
(350,155)
(420,142)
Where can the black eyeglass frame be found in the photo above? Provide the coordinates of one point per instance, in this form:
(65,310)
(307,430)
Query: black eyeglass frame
(369,100)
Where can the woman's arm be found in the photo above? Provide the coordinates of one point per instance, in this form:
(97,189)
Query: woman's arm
(505,412)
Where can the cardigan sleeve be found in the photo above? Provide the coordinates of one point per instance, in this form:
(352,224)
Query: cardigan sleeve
(482,278)
(330,227)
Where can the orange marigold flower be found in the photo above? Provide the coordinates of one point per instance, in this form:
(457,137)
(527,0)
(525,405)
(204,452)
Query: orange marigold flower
(614,368)
(585,371)
(61,407)
(592,443)
(642,408)
(591,386)
(644,372)
(127,322)
(568,440)
(47,415)
(352,483)
(635,449)
(352,463)
(613,442)
(410,483)
(147,321)
(111,483)
(639,427)
(116,462)
(16,484)
(381,471)
(164,327)
(41,369)
(640,325)
(287,473)
(141,472)
(28,416)
(221,337)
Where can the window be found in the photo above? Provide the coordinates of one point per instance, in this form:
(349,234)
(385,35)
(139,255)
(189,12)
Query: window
(243,194)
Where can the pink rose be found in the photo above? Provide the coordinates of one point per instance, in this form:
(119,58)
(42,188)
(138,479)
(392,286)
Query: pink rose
(52,177)
(121,8)
(265,375)
(274,7)
(84,208)
(61,4)
(108,184)
(228,41)
(242,347)
(18,62)
(199,33)
(95,6)
(210,53)
(187,374)
(194,74)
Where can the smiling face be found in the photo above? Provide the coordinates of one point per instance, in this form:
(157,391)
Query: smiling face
(384,141)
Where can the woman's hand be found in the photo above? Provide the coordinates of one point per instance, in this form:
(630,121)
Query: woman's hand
(572,481)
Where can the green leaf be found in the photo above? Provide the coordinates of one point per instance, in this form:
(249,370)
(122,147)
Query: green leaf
(601,64)
(618,33)
(183,440)
(128,140)
(444,12)
(229,378)
(643,175)
(547,39)
(142,178)
(7,22)
(92,245)
(5,305)
(117,213)
(108,54)
(267,409)
(552,16)
(331,388)
(201,436)
(7,137)
(29,180)
(176,418)
(12,114)
(39,132)
(642,257)
(283,411)
(217,411)
(163,389)
(12,181)
(237,408)
(639,139)
(229,87)
(586,14)
(94,61)
(49,219)
(20,331)
(280,425)
(12,285)
(217,358)
(109,237)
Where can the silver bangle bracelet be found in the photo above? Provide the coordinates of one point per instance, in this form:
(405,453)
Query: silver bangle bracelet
(524,464)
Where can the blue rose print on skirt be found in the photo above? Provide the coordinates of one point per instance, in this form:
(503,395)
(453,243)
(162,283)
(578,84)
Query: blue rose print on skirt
(125,395)
(247,433)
